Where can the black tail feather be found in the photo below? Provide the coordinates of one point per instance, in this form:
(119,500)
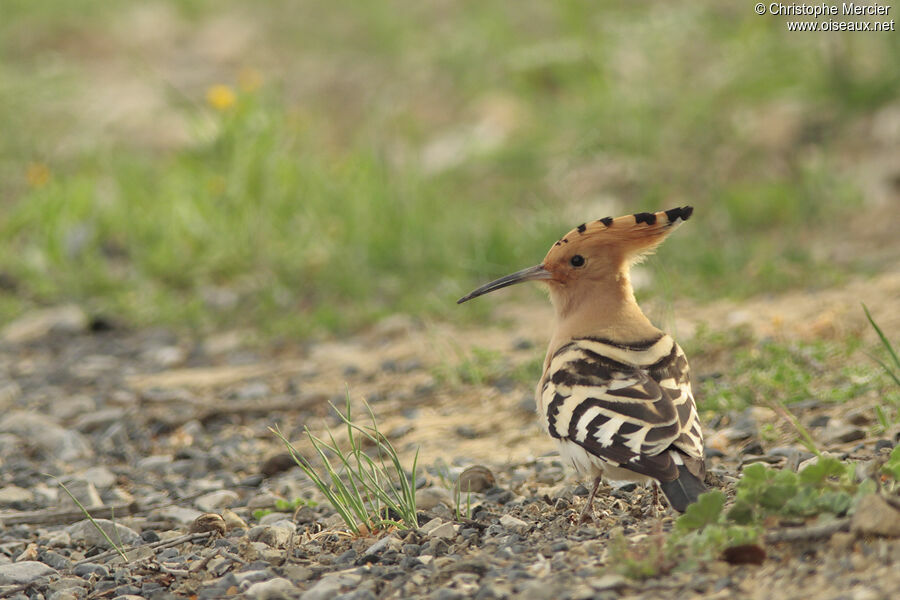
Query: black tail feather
(682,491)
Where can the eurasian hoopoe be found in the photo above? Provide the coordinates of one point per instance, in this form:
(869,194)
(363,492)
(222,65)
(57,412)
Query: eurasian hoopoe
(616,391)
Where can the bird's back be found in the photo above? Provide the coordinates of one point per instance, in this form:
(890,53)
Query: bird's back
(625,408)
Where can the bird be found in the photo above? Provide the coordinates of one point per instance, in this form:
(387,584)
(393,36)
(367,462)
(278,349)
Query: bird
(615,393)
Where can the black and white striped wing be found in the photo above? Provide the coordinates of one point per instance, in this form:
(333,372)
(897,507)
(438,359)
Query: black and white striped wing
(626,405)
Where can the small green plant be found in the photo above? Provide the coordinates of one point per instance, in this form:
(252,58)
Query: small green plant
(827,487)
(642,560)
(708,530)
(442,470)
(259,513)
(892,469)
(892,369)
(368,493)
(292,505)
(284,506)
(460,512)
(119,546)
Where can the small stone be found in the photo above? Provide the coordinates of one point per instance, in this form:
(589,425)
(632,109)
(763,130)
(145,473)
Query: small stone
(842,541)
(87,569)
(446,531)
(841,433)
(38,323)
(252,576)
(215,500)
(428,498)
(97,420)
(331,585)
(277,463)
(101,477)
(476,478)
(430,526)
(264,500)
(55,560)
(273,589)
(85,491)
(511,522)
(860,416)
(608,582)
(819,421)
(388,542)
(233,520)
(84,532)
(874,516)
(13,494)
(274,517)
(276,534)
(180,514)
(24,572)
(43,432)
(156,463)
(30,553)
(883,444)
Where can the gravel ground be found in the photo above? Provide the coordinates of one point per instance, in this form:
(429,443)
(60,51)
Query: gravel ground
(166,441)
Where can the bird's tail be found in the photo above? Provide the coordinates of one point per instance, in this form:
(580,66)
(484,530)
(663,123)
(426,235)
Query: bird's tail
(684,490)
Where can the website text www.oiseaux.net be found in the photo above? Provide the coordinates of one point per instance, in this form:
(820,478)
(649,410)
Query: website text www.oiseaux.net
(823,13)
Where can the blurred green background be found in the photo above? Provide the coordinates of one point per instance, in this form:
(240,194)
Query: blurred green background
(307,167)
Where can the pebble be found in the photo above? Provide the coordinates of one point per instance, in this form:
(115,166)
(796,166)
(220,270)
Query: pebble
(54,559)
(331,585)
(274,534)
(273,589)
(428,498)
(13,494)
(837,432)
(85,491)
(511,522)
(233,520)
(445,531)
(874,516)
(24,572)
(44,433)
(608,582)
(388,542)
(87,569)
(38,323)
(100,477)
(215,500)
(85,532)
(180,514)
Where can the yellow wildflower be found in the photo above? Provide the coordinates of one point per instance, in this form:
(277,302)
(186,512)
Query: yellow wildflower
(37,174)
(220,97)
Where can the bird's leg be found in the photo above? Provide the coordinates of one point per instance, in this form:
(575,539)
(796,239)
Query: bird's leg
(589,505)
(655,499)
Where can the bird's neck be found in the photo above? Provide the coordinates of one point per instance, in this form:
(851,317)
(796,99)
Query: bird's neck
(602,308)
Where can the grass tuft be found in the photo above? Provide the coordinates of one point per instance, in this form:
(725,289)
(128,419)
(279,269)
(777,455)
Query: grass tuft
(368,493)
(119,546)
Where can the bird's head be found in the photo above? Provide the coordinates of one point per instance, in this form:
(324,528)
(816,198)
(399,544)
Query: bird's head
(594,256)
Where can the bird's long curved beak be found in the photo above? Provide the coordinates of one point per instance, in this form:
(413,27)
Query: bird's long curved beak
(534,273)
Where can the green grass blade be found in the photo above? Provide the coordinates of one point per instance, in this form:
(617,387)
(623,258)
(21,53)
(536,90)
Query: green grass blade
(884,341)
(91,519)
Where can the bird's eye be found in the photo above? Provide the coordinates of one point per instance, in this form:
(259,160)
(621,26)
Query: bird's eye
(577,261)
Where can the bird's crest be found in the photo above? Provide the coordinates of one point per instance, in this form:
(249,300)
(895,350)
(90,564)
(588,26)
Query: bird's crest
(632,235)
